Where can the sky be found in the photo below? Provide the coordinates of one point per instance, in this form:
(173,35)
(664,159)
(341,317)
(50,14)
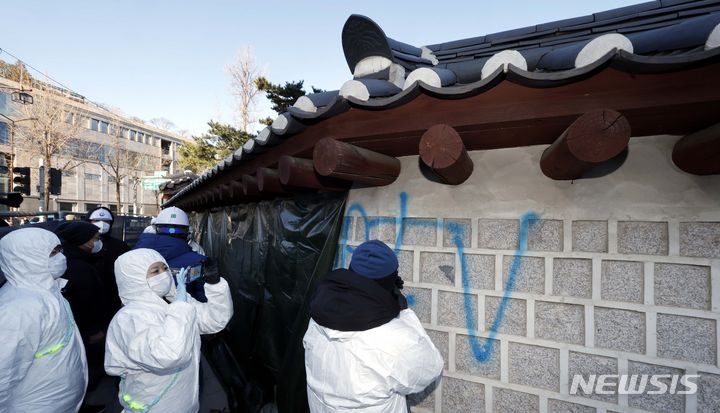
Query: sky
(168,59)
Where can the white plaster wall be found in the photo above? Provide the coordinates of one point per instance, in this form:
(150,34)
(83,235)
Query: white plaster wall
(506,183)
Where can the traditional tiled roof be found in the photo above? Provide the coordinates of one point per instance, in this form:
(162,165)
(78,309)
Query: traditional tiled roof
(652,37)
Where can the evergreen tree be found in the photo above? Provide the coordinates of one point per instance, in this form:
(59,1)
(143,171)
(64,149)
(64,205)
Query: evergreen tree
(206,150)
(282,96)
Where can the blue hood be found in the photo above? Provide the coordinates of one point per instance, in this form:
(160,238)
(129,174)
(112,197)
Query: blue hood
(176,251)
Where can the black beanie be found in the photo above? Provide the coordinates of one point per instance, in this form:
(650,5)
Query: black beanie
(76,232)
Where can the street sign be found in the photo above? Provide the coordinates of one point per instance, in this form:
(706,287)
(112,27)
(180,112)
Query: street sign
(159,173)
(153,183)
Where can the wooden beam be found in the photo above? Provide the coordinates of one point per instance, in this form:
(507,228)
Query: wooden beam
(346,161)
(443,151)
(699,152)
(250,186)
(300,173)
(237,189)
(268,180)
(595,137)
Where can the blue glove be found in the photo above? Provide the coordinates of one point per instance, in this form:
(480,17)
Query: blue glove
(181,288)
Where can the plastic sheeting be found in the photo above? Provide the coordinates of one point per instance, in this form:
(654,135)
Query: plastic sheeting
(272,253)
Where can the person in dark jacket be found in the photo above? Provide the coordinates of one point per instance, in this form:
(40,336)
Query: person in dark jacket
(86,292)
(112,248)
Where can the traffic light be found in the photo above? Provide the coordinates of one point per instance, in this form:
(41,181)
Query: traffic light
(21,180)
(55,181)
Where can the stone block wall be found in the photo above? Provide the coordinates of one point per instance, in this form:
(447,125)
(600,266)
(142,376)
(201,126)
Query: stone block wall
(606,284)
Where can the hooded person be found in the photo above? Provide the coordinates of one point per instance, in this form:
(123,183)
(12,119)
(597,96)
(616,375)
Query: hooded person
(42,361)
(111,249)
(153,342)
(364,349)
(170,239)
(86,291)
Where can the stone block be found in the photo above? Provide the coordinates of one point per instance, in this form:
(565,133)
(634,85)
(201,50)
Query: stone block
(679,285)
(622,281)
(348,229)
(622,330)
(437,268)
(480,271)
(700,239)
(656,402)
(466,361)
(462,396)
(420,301)
(561,406)
(572,277)
(419,231)
(639,237)
(590,236)
(442,342)
(457,230)
(687,338)
(381,228)
(708,395)
(498,234)
(511,401)
(545,235)
(543,362)
(530,275)
(405,265)
(426,398)
(514,319)
(560,322)
(587,364)
(452,309)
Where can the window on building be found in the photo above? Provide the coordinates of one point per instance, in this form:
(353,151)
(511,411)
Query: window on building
(94,124)
(3,101)
(104,127)
(69,118)
(68,172)
(111,179)
(4,133)
(165,145)
(92,177)
(140,137)
(132,134)
(90,207)
(113,208)
(67,206)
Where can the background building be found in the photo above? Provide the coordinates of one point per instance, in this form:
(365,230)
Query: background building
(105,147)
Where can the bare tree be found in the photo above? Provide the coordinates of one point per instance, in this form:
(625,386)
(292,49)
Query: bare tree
(118,160)
(243,73)
(162,123)
(48,134)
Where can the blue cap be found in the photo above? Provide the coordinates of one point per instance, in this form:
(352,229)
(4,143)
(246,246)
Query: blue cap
(373,259)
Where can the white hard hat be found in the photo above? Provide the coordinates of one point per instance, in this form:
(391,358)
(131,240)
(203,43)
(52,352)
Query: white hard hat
(101,214)
(172,216)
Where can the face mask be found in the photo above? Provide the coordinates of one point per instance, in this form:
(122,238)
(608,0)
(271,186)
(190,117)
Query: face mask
(104,226)
(97,246)
(57,265)
(161,283)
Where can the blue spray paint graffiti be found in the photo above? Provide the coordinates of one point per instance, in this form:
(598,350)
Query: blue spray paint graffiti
(481,352)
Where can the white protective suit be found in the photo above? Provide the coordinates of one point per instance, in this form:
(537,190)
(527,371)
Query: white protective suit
(370,371)
(155,346)
(42,359)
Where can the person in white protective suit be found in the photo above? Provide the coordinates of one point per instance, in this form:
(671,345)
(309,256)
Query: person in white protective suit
(365,350)
(42,360)
(153,344)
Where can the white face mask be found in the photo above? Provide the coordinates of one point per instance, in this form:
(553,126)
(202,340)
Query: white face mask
(161,283)
(104,226)
(97,246)
(57,265)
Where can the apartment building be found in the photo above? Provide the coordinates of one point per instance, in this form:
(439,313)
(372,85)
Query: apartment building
(89,160)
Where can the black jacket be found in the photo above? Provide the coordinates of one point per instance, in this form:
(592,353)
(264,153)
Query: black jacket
(105,264)
(346,301)
(86,292)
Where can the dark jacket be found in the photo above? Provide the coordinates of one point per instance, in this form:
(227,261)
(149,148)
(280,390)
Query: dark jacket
(86,292)
(346,301)
(105,264)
